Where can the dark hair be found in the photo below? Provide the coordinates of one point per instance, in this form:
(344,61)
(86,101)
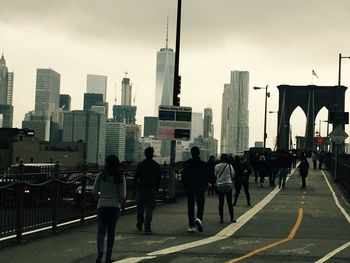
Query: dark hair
(112,168)
(224,158)
(195,151)
(149,152)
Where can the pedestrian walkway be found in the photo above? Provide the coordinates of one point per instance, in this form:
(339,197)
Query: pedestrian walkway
(290,225)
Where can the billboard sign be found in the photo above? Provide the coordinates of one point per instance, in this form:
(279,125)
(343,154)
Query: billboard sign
(174,123)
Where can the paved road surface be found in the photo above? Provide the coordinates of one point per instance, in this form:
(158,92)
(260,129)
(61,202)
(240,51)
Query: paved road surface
(290,225)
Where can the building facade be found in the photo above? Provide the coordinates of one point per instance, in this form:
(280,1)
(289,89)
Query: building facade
(115,139)
(150,126)
(65,102)
(132,142)
(235,114)
(208,127)
(126,92)
(90,128)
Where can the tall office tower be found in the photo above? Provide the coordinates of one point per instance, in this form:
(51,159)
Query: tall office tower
(150,126)
(115,139)
(235,114)
(6,90)
(65,102)
(164,76)
(47,93)
(126,92)
(196,125)
(96,84)
(89,127)
(208,129)
(132,142)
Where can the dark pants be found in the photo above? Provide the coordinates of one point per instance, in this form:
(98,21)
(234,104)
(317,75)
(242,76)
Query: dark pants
(238,186)
(229,204)
(107,220)
(192,198)
(256,174)
(145,206)
(283,172)
(272,177)
(303,180)
(315,164)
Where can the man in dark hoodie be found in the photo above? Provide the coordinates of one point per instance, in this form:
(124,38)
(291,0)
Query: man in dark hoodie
(195,180)
(147,178)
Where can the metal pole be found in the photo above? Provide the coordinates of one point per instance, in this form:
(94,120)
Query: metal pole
(265,135)
(339,70)
(176,101)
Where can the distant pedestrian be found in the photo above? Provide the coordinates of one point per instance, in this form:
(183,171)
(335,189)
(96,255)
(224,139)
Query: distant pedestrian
(242,171)
(303,170)
(320,159)
(195,180)
(314,159)
(147,178)
(274,170)
(110,189)
(224,174)
(263,169)
(284,164)
(212,179)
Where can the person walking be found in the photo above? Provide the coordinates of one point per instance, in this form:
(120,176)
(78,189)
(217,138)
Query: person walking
(242,171)
(303,170)
(263,169)
(314,159)
(195,180)
(110,190)
(147,179)
(212,179)
(224,174)
(284,164)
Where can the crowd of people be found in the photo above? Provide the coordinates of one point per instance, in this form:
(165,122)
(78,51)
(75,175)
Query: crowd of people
(224,177)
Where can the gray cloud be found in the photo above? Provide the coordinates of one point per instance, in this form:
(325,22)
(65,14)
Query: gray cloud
(205,22)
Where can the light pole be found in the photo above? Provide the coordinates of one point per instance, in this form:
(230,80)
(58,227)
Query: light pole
(339,69)
(267,94)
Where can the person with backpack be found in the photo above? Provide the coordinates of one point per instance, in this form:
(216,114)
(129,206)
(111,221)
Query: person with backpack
(224,174)
(110,190)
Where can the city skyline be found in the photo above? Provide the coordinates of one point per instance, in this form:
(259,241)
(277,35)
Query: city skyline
(275,46)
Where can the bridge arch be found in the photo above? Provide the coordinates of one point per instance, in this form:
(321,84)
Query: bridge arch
(311,99)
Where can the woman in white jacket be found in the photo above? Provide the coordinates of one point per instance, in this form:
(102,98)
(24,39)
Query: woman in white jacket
(110,189)
(224,174)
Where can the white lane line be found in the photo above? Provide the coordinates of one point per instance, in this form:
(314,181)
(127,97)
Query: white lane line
(337,250)
(223,234)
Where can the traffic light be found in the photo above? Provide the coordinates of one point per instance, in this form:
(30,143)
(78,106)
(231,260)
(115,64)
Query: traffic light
(177,91)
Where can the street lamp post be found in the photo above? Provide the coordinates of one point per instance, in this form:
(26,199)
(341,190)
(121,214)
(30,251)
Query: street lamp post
(267,94)
(339,69)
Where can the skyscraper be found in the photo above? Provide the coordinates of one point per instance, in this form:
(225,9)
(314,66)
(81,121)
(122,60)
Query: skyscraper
(126,92)
(6,90)
(208,129)
(47,93)
(164,76)
(235,114)
(196,125)
(115,139)
(91,99)
(96,84)
(65,101)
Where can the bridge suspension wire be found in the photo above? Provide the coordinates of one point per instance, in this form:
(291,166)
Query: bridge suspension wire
(280,117)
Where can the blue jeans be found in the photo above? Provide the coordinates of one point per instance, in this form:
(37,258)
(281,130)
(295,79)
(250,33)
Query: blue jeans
(107,220)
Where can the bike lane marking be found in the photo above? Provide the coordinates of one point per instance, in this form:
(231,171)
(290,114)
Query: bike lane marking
(336,200)
(274,244)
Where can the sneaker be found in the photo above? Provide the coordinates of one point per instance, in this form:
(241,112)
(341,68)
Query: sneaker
(233,220)
(191,229)
(148,232)
(198,224)
(139,227)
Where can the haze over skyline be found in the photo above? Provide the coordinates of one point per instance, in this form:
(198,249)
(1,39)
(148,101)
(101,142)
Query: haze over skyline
(277,41)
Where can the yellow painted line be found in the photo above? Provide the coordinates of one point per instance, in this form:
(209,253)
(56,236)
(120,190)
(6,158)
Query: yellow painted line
(290,237)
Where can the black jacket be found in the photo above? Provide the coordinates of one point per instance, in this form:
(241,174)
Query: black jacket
(147,175)
(195,176)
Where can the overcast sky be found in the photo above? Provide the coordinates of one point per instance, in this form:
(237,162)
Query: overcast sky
(277,41)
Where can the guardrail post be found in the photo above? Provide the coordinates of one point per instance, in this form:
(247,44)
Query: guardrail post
(19,210)
(83,200)
(55,204)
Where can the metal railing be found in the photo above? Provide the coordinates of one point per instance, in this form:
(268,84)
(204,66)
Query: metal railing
(26,205)
(342,170)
